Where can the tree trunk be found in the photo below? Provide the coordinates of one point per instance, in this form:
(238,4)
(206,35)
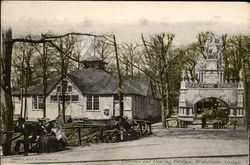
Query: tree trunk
(163,113)
(246,101)
(63,74)
(64,85)
(25,95)
(168,105)
(44,79)
(7,105)
(246,81)
(22,84)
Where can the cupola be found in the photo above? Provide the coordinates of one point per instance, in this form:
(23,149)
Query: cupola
(94,62)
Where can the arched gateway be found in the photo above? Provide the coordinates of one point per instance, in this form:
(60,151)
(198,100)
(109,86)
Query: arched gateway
(210,83)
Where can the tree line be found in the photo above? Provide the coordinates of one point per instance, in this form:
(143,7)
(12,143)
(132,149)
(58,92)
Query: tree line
(155,57)
(35,59)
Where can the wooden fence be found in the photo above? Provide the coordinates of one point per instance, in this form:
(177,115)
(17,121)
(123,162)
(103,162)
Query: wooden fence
(105,132)
(216,124)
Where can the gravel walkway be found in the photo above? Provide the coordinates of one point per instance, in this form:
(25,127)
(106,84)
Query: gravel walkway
(163,147)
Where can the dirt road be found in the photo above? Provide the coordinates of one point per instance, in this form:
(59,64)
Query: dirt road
(163,147)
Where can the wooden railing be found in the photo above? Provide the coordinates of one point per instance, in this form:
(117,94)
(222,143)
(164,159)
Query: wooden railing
(96,132)
(105,132)
(143,127)
(179,123)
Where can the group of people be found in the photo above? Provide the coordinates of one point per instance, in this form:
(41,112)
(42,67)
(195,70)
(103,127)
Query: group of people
(125,129)
(50,136)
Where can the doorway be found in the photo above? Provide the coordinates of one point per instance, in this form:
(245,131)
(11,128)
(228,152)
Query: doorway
(212,109)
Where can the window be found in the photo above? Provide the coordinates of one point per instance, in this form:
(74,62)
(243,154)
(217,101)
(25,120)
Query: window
(37,102)
(69,88)
(96,102)
(89,102)
(59,88)
(66,98)
(40,102)
(34,102)
(116,97)
(74,98)
(234,112)
(92,102)
(53,98)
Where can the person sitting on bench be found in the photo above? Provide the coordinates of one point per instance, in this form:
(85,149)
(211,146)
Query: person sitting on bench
(56,129)
(29,133)
(42,132)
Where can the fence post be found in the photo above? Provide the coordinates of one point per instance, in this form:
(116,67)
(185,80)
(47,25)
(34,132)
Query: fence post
(150,130)
(140,129)
(79,133)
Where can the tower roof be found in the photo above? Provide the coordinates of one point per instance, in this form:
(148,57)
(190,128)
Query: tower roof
(94,62)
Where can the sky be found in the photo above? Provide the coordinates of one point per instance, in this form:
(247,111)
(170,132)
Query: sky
(127,20)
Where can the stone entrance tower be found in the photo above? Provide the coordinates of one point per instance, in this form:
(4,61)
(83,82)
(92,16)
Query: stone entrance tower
(210,83)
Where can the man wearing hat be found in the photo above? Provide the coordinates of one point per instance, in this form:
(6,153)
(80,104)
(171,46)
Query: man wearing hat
(29,133)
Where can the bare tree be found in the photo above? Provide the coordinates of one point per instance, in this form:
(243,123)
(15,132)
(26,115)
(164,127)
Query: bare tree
(67,45)
(158,61)
(236,51)
(18,66)
(190,56)
(43,60)
(130,57)
(201,41)
(104,49)
(246,81)
(22,62)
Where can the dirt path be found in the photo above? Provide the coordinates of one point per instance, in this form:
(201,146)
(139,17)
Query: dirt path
(165,146)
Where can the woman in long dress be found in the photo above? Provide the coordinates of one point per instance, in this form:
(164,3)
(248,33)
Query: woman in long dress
(56,130)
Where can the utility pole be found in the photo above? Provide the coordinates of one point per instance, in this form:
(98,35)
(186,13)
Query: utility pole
(120,79)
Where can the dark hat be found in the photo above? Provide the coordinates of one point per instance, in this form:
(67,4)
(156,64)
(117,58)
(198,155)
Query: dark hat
(51,121)
(41,119)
